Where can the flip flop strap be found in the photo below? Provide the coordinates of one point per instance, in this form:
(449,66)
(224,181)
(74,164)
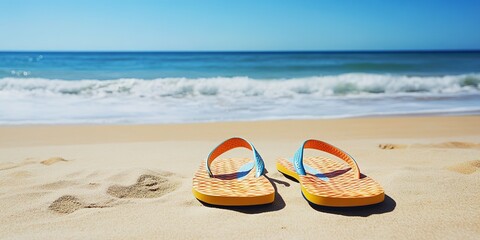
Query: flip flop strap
(232,143)
(325,147)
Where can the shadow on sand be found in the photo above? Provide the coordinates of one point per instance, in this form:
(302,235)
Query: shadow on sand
(386,206)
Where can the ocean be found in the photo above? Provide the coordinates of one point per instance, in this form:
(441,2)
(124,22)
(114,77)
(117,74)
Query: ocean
(180,87)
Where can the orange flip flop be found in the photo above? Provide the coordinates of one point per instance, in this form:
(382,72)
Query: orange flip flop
(231,182)
(327,182)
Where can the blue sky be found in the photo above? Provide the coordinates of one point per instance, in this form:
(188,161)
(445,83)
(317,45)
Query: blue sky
(203,25)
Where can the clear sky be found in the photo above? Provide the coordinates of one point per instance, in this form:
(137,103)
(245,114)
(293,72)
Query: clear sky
(204,25)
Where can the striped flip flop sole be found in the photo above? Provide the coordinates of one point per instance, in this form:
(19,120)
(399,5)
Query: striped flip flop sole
(334,183)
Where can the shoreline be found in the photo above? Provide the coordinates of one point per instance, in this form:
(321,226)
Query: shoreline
(461,113)
(367,127)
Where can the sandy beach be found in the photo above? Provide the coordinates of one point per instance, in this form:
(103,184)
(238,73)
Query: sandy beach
(134,181)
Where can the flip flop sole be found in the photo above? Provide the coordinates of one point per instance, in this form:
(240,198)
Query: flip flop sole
(232,184)
(331,183)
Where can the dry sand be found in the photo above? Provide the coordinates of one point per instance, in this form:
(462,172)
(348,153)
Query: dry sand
(134,182)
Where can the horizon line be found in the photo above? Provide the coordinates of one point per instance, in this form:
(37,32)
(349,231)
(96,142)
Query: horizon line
(244,51)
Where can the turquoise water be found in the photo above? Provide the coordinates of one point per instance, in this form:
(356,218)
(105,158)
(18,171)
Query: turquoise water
(255,65)
(164,87)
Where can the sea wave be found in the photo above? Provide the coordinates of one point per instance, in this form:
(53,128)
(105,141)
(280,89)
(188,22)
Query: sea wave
(174,100)
(345,85)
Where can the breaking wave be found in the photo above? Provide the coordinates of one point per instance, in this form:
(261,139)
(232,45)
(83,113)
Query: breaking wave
(321,86)
(174,100)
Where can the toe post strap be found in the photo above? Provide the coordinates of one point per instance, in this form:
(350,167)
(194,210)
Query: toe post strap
(325,147)
(232,143)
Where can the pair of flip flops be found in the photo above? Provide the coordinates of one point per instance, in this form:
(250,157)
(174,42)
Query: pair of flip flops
(323,181)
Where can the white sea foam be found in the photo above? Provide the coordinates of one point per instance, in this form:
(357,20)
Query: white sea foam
(324,86)
(35,100)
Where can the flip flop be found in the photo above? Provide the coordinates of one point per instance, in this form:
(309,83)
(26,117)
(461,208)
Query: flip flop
(328,182)
(231,182)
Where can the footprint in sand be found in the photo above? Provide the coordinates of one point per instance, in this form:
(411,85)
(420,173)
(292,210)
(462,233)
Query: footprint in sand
(68,204)
(467,167)
(461,145)
(147,186)
(389,146)
(53,160)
